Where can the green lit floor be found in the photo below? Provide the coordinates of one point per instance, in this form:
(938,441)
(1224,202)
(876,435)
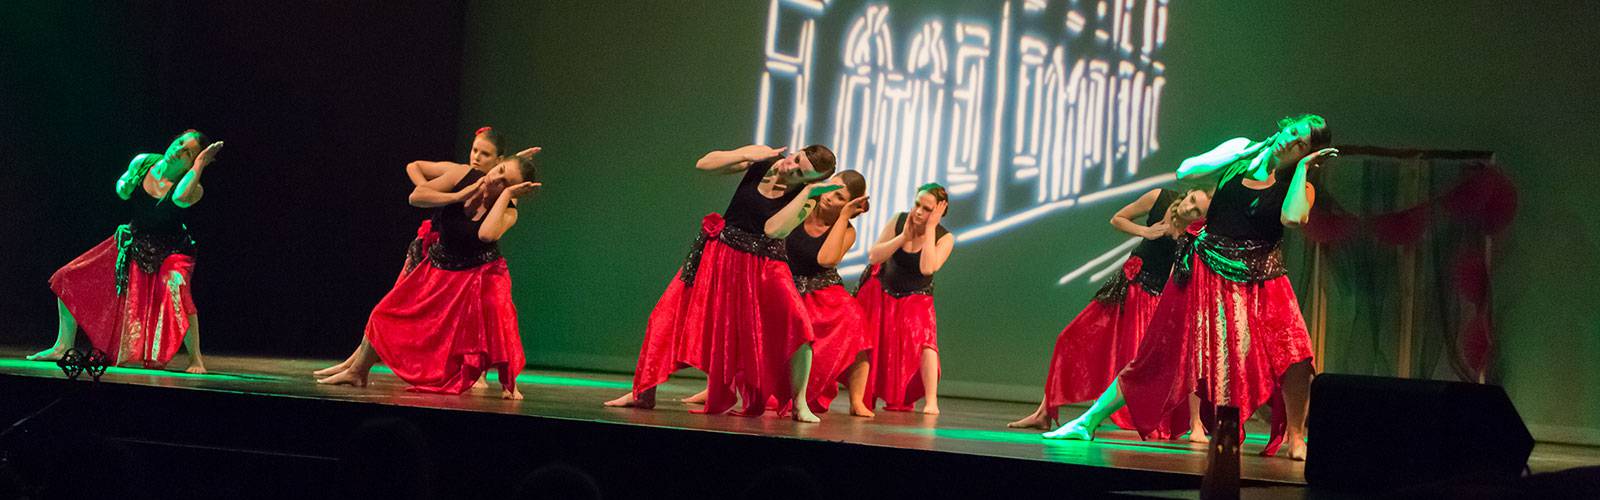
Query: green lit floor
(967,426)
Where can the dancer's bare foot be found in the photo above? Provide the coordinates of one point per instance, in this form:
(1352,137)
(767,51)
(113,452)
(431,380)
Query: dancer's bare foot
(628,401)
(342,366)
(861,411)
(512,394)
(1297,449)
(1038,420)
(1198,436)
(930,409)
(803,415)
(54,353)
(350,377)
(699,398)
(1076,430)
(196,367)
(483,383)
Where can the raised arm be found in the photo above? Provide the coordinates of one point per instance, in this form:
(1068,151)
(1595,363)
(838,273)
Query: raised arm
(422,171)
(728,162)
(888,242)
(935,249)
(841,236)
(1297,202)
(131,178)
(437,193)
(780,224)
(189,190)
(1123,219)
(502,215)
(1212,162)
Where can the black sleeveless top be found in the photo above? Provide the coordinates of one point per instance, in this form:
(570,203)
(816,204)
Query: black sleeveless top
(801,249)
(1241,213)
(902,273)
(458,246)
(155,216)
(1157,254)
(748,210)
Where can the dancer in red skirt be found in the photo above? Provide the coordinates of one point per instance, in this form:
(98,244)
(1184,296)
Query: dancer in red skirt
(732,310)
(897,295)
(451,319)
(486,146)
(1104,336)
(130,293)
(1228,327)
(842,345)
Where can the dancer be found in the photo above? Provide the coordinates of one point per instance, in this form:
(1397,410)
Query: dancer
(1104,336)
(732,310)
(130,293)
(842,346)
(451,319)
(897,294)
(1228,325)
(484,155)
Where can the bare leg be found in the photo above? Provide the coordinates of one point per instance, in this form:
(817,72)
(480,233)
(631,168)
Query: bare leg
(508,385)
(1197,429)
(930,381)
(646,400)
(66,335)
(1039,419)
(857,385)
(699,398)
(483,383)
(799,379)
(191,343)
(1082,428)
(356,374)
(1297,401)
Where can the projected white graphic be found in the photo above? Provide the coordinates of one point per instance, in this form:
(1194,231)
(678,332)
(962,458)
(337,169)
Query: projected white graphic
(1019,107)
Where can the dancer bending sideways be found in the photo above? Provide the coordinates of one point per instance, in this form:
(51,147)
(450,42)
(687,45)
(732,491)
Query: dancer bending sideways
(842,346)
(1228,327)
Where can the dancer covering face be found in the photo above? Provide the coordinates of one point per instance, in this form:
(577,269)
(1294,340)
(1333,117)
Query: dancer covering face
(897,294)
(842,346)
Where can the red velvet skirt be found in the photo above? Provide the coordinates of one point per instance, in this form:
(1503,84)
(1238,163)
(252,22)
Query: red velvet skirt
(666,348)
(841,334)
(144,326)
(1227,341)
(749,318)
(441,330)
(1097,345)
(903,327)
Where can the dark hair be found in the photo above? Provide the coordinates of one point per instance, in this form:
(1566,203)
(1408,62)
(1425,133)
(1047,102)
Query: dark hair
(199,138)
(1319,135)
(938,192)
(529,167)
(822,159)
(494,137)
(856,184)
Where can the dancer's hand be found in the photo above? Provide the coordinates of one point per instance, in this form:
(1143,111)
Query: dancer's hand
(208,155)
(519,190)
(467,193)
(757,152)
(855,207)
(528,153)
(1315,160)
(936,216)
(1156,231)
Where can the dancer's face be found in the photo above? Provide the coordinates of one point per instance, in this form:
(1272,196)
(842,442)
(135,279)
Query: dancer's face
(1194,205)
(179,157)
(925,206)
(795,169)
(1294,143)
(483,153)
(832,202)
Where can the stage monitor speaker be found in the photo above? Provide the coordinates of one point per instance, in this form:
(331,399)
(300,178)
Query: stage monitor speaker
(1380,433)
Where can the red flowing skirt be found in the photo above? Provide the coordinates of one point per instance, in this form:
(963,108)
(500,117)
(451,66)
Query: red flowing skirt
(441,330)
(144,326)
(749,318)
(904,327)
(841,334)
(666,348)
(1228,342)
(1098,344)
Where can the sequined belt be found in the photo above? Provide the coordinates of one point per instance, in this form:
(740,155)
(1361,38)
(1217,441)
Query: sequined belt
(1115,290)
(443,257)
(738,239)
(1242,261)
(147,250)
(811,283)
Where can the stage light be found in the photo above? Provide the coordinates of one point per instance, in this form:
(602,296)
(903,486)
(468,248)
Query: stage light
(75,362)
